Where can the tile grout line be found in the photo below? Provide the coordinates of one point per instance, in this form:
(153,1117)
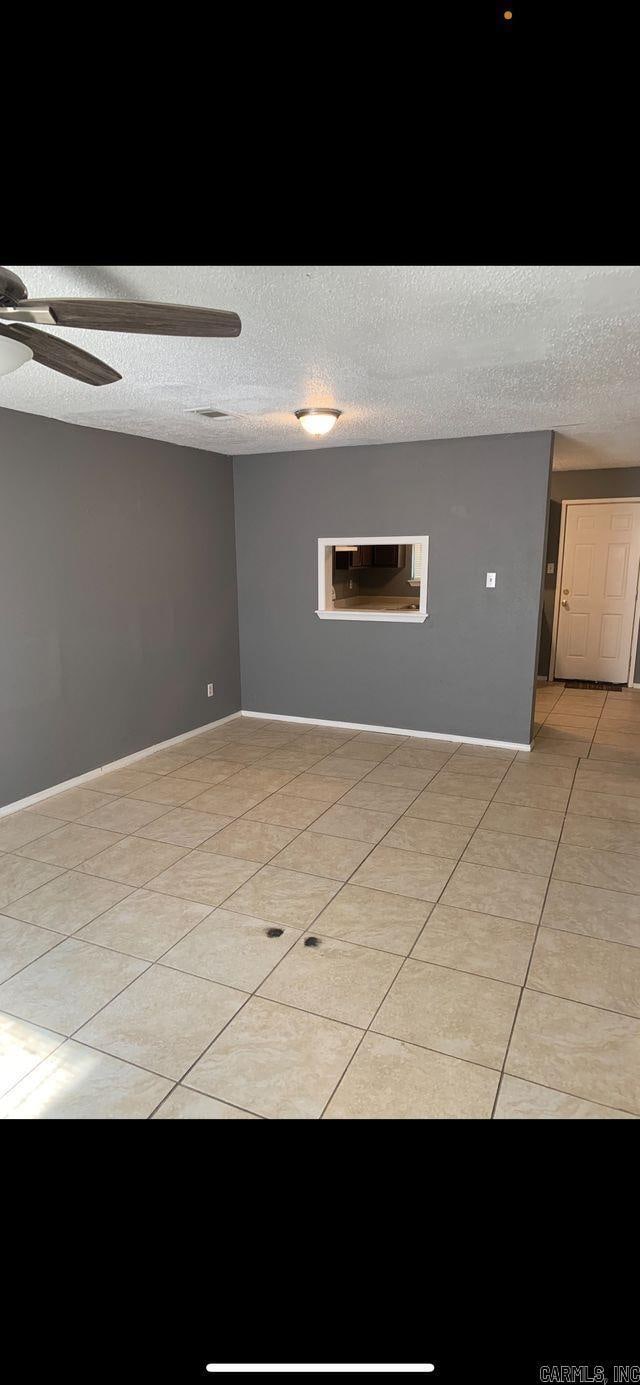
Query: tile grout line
(148,966)
(63,1040)
(188,899)
(251,994)
(187,850)
(473,1062)
(535,941)
(314,923)
(177,1086)
(65,937)
(373,846)
(365,947)
(259,865)
(311,925)
(341,883)
(405,959)
(67,1037)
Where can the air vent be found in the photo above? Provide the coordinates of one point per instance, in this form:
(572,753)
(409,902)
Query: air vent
(210,413)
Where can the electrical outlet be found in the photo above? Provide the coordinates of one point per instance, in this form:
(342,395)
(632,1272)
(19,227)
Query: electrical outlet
(209,689)
(491,579)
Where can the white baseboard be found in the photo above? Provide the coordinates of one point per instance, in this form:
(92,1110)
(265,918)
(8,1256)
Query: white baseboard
(392,730)
(93,774)
(115,764)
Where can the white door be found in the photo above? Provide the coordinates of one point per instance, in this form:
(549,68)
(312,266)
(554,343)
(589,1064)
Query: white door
(598,591)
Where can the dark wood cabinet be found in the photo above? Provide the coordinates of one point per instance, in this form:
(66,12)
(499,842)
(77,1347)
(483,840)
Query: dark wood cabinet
(371,555)
(363,556)
(386,555)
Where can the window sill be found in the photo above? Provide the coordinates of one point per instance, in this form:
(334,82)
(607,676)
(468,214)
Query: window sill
(402,617)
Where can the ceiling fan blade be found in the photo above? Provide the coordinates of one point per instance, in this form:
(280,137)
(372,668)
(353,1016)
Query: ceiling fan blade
(160,319)
(62,355)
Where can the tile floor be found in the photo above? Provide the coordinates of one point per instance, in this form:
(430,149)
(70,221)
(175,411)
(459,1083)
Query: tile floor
(280,920)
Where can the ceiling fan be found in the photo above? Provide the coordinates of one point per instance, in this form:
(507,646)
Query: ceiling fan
(100,314)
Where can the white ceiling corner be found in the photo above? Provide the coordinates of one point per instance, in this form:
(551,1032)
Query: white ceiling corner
(407,352)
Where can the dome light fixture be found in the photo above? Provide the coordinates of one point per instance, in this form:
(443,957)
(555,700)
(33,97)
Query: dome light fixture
(318,422)
(13,354)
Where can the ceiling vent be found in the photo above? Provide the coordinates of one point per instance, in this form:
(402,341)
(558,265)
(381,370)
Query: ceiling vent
(210,413)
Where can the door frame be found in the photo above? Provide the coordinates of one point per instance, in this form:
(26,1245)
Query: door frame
(602,500)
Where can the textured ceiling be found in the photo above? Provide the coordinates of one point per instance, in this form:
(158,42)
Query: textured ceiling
(407,352)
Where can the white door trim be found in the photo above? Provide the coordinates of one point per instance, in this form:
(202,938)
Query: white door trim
(613,500)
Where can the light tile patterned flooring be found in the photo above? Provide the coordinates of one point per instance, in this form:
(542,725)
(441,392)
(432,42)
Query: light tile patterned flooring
(281,920)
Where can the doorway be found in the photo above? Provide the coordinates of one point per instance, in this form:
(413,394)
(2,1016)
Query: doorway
(595,618)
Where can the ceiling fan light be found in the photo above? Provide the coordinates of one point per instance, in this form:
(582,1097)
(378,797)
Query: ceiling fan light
(318,422)
(13,354)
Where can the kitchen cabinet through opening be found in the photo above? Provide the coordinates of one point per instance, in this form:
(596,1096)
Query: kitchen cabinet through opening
(373,578)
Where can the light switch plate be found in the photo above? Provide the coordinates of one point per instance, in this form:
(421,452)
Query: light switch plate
(491,579)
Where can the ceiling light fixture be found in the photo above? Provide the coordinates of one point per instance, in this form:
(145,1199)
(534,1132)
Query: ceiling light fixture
(317,422)
(13,354)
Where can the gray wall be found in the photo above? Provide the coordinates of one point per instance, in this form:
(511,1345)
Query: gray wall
(117,597)
(470,668)
(601,484)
